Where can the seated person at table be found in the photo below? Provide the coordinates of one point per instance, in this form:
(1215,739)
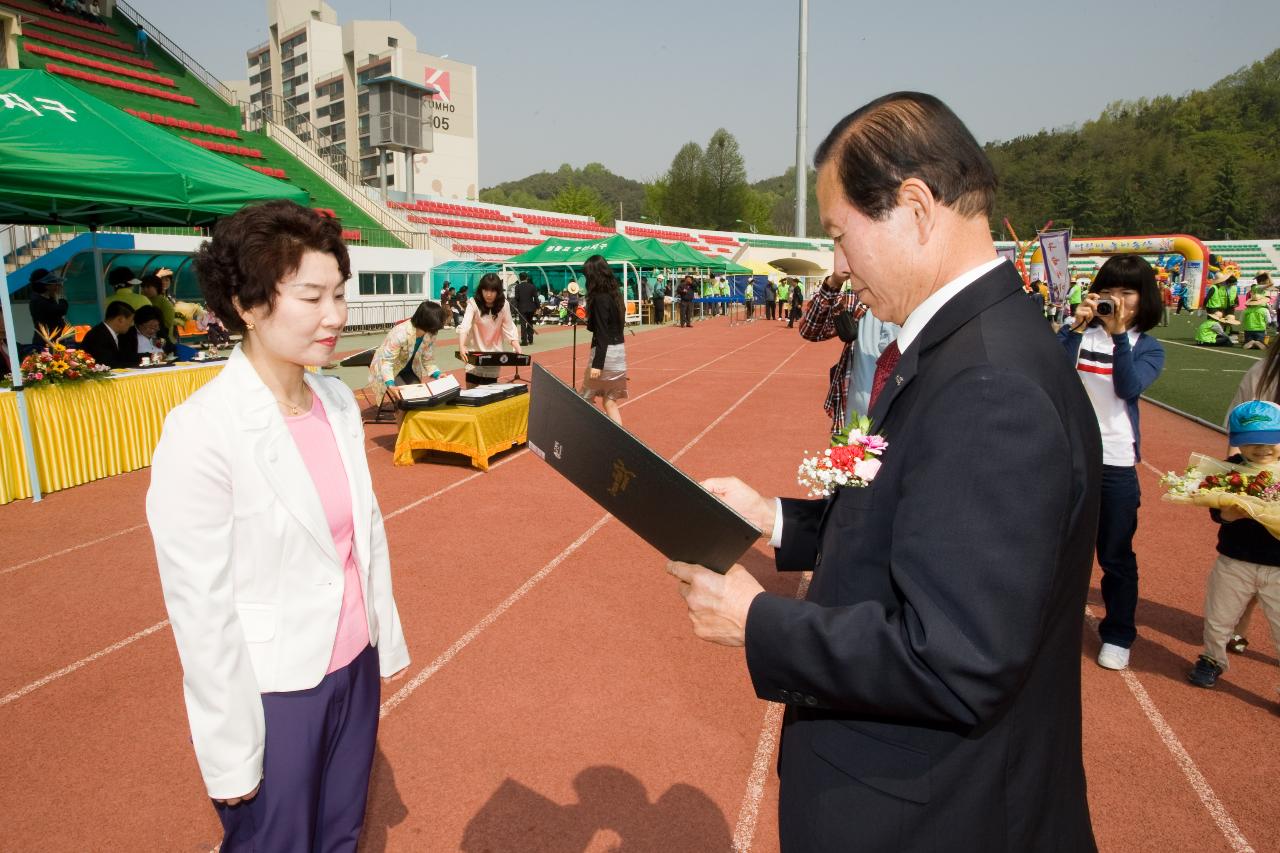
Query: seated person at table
(407,355)
(146,330)
(153,287)
(123,280)
(487,327)
(458,304)
(113,342)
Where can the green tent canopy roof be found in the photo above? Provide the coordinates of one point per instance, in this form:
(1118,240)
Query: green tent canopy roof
(67,157)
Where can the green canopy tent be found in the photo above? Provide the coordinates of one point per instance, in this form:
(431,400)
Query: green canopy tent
(68,158)
(557,261)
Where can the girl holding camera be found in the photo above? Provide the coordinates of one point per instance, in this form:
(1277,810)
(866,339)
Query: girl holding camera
(1117,360)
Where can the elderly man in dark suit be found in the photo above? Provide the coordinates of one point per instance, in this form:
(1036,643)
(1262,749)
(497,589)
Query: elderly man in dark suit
(113,341)
(932,675)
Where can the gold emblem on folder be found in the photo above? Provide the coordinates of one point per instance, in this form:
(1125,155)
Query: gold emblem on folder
(621,478)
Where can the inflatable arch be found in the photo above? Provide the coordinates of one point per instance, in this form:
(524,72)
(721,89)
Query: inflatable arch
(1195,269)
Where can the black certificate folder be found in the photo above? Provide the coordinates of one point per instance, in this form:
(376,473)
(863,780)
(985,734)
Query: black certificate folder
(644,491)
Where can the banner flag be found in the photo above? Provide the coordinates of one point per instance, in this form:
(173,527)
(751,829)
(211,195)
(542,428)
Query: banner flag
(1056,249)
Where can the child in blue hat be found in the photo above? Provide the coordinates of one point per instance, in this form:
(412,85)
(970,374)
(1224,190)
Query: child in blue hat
(1248,555)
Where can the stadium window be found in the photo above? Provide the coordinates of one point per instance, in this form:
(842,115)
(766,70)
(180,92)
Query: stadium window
(415,282)
(382,283)
(399,283)
(366,284)
(392,41)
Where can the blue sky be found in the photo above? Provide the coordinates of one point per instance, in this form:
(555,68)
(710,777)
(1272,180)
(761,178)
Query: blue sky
(626,84)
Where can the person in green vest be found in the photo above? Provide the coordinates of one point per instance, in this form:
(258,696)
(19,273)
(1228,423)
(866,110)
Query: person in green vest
(784,297)
(122,281)
(1211,332)
(723,291)
(1215,298)
(153,288)
(1075,296)
(1254,323)
(1232,289)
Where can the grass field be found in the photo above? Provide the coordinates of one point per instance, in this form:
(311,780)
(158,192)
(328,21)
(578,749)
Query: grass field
(1198,380)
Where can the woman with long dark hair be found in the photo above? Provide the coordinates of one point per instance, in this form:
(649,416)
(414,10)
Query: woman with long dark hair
(606,378)
(1117,360)
(487,326)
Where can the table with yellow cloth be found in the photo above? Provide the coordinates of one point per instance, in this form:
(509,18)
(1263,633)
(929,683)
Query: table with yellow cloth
(84,431)
(479,432)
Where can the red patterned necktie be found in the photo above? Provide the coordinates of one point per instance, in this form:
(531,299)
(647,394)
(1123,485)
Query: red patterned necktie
(885,364)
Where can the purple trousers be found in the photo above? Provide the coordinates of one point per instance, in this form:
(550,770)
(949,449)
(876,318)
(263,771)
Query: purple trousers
(316,763)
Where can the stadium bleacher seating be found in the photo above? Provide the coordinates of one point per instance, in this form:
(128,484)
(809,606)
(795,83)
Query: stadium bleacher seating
(269,171)
(84,48)
(563,221)
(445,222)
(184,124)
(719,239)
(660,234)
(45,12)
(492,238)
(53,53)
(571,235)
(105,41)
(224,148)
(138,88)
(466,210)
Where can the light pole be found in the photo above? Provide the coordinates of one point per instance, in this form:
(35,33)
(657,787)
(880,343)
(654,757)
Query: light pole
(802,170)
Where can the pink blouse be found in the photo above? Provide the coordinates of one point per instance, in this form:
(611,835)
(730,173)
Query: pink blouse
(319,449)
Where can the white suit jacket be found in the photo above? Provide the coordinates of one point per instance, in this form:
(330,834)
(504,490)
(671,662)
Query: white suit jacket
(249,570)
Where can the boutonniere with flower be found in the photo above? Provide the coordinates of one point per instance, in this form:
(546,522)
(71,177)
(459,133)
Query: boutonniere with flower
(852,461)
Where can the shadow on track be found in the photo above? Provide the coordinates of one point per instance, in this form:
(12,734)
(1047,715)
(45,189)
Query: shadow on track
(612,813)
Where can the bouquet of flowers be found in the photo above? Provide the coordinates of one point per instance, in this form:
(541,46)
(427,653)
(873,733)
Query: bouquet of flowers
(57,363)
(1214,484)
(852,461)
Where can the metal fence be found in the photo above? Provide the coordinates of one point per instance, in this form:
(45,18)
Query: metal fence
(364,316)
(177,53)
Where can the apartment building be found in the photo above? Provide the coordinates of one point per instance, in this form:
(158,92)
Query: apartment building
(318,66)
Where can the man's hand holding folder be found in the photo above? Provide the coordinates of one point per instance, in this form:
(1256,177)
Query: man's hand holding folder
(719,604)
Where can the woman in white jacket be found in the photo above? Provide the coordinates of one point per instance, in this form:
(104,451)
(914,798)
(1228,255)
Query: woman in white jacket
(272,553)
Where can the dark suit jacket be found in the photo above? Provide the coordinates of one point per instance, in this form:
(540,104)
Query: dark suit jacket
(526,297)
(100,344)
(933,673)
(50,313)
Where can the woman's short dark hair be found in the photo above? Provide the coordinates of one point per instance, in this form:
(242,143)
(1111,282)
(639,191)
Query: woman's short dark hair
(490,281)
(150,280)
(255,248)
(146,314)
(429,317)
(1132,272)
(908,135)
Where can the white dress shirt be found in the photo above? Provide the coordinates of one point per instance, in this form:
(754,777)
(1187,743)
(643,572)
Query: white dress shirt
(911,329)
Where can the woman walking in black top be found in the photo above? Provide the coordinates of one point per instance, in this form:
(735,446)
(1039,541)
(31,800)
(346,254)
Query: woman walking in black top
(606,378)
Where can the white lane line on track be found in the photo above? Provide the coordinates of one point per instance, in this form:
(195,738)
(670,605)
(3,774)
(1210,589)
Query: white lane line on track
(67,670)
(6,570)
(749,813)
(492,616)
(18,694)
(1219,350)
(1235,838)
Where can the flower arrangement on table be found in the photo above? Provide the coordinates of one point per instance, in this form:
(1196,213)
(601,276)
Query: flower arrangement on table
(58,364)
(852,461)
(1214,484)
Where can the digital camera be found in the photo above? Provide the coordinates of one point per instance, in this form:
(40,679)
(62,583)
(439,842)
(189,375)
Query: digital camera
(1105,307)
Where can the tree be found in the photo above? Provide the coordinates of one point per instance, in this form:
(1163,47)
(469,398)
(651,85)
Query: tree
(1124,219)
(723,183)
(1226,217)
(585,201)
(683,202)
(1175,216)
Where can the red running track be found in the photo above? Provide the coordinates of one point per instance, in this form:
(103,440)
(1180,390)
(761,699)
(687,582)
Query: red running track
(557,700)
